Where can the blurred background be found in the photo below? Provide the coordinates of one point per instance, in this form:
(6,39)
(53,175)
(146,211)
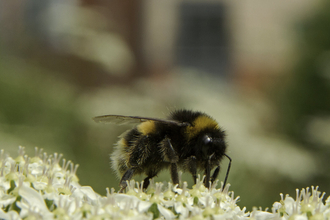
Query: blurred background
(260,68)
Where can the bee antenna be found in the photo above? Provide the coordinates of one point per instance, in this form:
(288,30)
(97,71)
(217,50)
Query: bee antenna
(229,165)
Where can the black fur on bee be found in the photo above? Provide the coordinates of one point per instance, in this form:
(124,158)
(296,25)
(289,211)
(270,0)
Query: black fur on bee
(187,140)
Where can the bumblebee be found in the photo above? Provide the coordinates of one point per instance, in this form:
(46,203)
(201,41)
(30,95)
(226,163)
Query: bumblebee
(187,140)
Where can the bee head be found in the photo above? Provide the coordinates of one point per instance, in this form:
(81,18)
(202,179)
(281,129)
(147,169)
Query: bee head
(205,137)
(209,143)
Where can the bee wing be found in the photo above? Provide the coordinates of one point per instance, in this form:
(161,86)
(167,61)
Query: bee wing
(121,119)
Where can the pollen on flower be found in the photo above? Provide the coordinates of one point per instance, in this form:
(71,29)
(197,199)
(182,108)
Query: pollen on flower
(169,194)
(131,188)
(140,194)
(37,155)
(157,197)
(198,188)
(67,188)
(20,159)
(182,197)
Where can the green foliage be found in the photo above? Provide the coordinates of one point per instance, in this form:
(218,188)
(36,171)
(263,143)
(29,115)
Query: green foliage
(307,92)
(40,109)
(154,210)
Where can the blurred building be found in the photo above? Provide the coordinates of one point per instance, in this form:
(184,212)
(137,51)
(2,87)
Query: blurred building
(248,41)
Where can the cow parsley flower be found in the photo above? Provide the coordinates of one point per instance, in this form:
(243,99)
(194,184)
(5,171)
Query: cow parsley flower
(47,187)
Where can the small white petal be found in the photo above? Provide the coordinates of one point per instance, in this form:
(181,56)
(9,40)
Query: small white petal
(277,205)
(89,193)
(4,184)
(39,185)
(6,200)
(179,208)
(33,198)
(299,217)
(261,215)
(11,215)
(165,212)
(143,206)
(36,169)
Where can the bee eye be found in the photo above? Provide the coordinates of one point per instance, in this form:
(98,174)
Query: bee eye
(207,139)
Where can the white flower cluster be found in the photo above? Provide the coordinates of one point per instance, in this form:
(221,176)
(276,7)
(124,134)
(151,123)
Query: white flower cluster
(40,188)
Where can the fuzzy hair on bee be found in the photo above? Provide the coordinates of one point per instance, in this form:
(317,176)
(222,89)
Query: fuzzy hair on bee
(187,140)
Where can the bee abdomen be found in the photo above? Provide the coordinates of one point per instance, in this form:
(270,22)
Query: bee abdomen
(120,157)
(133,149)
(123,148)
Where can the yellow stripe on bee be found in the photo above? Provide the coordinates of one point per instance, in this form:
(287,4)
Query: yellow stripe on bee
(146,127)
(120,157)
(122,143)
(199,124)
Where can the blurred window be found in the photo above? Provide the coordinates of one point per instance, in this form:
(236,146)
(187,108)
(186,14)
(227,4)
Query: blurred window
(202,37)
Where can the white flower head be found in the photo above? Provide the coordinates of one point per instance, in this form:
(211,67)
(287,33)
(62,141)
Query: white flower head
(41,188)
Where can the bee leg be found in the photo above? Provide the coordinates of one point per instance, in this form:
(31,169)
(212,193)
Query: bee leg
(146,183)
(191,163)
(215,174)
(208,172)
(174,173)
(127,176)
(169,155)
(146,180)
